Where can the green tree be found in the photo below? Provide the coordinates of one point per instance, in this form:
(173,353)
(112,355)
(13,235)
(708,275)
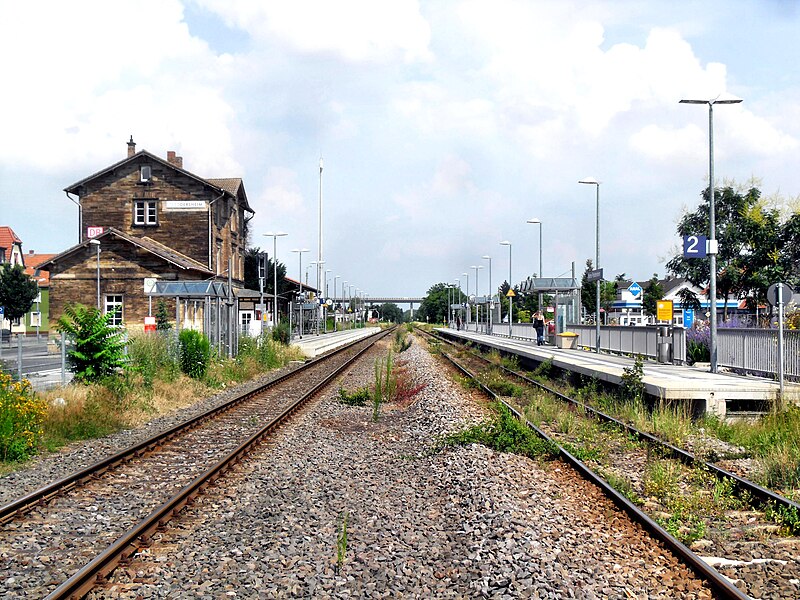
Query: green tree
(17,291)
(755,249)
(162,317)
(608,292)
(434,306)
(98,348)
(391,312)
(653,292)
(251,258)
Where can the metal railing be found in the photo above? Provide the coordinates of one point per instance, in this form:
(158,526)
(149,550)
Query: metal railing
(632,340)
(756,351)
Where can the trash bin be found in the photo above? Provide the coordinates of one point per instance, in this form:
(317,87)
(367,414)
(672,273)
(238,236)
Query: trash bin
(567,340)
(665,352)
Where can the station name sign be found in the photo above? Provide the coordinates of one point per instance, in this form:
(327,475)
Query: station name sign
(185,205)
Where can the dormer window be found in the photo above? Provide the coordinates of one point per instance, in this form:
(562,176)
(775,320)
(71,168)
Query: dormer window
(145,212)
(145,174)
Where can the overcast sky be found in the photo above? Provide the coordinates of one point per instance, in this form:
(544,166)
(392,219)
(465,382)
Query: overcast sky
(444,125)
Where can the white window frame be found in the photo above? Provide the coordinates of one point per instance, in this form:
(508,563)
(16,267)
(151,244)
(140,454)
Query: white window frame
(112,301)
(145,212)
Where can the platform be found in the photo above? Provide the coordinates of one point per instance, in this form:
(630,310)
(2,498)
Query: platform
(313,345)
(720,393)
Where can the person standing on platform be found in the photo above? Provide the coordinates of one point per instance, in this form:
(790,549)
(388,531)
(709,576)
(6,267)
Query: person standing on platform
(538,325)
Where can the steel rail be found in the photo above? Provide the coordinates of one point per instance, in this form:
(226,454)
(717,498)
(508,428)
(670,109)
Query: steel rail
(760,493)
(81,582)
(21,505)
(717,581)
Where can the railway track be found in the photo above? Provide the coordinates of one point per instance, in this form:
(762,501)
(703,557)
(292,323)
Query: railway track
(58,540)
(745,488)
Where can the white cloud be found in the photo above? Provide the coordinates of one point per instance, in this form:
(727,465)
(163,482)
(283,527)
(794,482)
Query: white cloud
(281,193)
(113,73)
(357,30)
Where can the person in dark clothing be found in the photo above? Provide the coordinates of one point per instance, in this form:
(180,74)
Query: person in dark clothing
(538,325)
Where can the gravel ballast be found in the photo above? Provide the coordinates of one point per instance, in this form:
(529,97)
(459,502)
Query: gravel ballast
(463,522)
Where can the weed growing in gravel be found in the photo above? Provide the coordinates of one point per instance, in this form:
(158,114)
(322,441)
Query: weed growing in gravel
(495,381)
(358,397)
(632,385)
(620,483)
(401,340)
(787,517)
(341,542)
(545,369)
(584,452)
(503,432)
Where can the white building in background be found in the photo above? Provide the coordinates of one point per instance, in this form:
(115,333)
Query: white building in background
(627,308)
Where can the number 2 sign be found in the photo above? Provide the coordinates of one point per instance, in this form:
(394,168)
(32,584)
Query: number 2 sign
(694,246)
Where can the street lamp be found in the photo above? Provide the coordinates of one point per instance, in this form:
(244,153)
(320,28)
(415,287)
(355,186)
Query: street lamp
(478,308)
(510,289)
(538,222)
(712,238)
(300,277)
(96,244)
(275,237)
(468,307)
(594,182)
(491,292)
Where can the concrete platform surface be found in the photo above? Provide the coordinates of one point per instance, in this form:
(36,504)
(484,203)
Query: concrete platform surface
(313,345)
(670,382)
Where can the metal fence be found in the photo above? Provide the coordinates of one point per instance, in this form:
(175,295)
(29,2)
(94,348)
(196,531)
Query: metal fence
(632,340)
(756,351)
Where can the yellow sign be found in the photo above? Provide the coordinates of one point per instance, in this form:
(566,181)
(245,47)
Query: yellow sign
(510,293)
(664,310)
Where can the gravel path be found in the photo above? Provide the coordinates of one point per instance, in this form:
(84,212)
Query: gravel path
(464,523)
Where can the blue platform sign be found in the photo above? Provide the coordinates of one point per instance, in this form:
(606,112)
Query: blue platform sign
(2,311)
(635,289)
(688,317)
(694,246)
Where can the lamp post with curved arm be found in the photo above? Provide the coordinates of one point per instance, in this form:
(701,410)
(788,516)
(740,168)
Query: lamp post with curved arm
(598,283)
(712,238)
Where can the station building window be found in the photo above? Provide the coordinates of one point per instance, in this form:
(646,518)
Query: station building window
(114,304)
(145,212)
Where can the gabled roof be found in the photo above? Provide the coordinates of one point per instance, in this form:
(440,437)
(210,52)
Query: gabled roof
(234,186)
(229,188)
(34,260)
(8,238)
(164,252)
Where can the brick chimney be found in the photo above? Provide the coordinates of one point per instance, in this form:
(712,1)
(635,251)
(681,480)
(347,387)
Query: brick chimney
(174,160)
(131,147)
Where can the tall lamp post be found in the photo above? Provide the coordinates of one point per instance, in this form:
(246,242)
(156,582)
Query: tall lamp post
(469,308)
(510,288)
(96,244)
(300,277)
(594,182)
(478,309)
(491,292)
(275,237)
(538,222)
(712,237)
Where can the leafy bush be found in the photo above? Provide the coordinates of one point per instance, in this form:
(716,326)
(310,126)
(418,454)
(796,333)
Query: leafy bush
(698,342)
(98,348)
(281,333)
(21,416)
(195,353)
